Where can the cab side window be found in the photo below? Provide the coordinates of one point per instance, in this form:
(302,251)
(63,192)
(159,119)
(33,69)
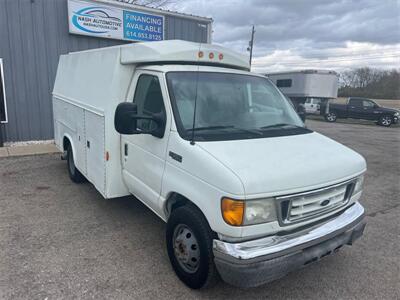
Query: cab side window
(356,102)
(368,104)
(149,100)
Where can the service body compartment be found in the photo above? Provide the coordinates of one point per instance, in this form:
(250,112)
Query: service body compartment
(69,121)
(95,150)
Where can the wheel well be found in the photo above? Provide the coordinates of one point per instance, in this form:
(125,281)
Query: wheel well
(176,200)
(66,143)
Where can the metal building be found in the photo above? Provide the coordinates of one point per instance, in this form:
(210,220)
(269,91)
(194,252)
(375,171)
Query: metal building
(33,33)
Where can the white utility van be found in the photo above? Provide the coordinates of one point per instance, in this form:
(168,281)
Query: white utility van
(217,152)
(313,105)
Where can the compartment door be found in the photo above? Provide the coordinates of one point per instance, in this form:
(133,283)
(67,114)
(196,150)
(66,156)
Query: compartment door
(95,150)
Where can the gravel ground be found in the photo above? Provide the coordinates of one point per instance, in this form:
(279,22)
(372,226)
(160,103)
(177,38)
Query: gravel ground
(62,240)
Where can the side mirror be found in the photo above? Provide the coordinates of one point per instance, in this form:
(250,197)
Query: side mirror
(301,111)
(127,121)
(302,115)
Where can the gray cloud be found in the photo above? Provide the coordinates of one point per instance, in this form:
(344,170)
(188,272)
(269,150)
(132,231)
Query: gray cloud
(309,29)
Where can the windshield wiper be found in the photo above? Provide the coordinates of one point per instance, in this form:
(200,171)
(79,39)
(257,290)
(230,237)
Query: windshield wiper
(254,131)
(279,125)
(209,128)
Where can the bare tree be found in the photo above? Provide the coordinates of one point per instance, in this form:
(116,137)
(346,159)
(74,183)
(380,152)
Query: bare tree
(347,78)
(360,78)
(370,82)
(151,3)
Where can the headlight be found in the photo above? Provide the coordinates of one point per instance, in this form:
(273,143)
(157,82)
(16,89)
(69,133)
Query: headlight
(396,114)
(250,212)
(259,211)
(359,185)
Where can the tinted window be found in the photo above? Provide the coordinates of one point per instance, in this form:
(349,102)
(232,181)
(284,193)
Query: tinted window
(316,101)
(284,83)
(367,103)
(356,102)
(148,98)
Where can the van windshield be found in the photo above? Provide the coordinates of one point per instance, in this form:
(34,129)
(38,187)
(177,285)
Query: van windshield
(230,106)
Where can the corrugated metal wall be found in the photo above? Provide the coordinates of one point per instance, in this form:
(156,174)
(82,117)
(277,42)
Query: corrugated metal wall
(33,33)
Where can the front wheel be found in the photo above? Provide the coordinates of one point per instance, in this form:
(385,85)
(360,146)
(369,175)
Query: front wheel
(189,245)
(385,121)
(331,117)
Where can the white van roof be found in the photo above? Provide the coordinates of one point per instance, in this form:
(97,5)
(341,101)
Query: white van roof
(179,52)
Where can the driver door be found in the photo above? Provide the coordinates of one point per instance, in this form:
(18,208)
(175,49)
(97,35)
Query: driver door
(355,108)
(143,155)
(369,108)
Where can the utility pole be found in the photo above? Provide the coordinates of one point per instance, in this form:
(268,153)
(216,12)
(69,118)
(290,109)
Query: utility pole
(251,43)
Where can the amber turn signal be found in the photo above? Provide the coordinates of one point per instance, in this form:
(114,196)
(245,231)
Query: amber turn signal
(232,211)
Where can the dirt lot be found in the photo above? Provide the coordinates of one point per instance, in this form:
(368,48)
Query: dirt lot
(62,240)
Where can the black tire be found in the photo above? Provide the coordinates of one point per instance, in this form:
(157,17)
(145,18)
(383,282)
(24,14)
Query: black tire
(73,172)
(331,117)
(190,217)
(385,120)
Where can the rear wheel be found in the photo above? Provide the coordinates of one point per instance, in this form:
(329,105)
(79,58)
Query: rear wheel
(189,245)
(73,172)
(385,121)
(331,117)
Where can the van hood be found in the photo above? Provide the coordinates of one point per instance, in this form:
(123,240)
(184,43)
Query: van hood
(289,164)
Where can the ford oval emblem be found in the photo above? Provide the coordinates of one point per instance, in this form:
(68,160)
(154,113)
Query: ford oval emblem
(325,202)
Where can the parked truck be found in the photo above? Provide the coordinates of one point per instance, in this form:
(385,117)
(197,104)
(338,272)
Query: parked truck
(217,152)
(361,108)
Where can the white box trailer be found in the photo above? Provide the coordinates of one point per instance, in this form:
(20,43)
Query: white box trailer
(307,83)
(311,88)
(216,151)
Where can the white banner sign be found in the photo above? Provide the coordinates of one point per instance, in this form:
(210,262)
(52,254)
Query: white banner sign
(96,19)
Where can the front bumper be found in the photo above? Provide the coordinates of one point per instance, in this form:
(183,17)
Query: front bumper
(395,120)
(256,262)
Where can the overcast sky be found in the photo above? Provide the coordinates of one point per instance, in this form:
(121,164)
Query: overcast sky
(299,34)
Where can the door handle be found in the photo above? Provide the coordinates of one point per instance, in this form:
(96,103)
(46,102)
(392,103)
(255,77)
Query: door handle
(126,149)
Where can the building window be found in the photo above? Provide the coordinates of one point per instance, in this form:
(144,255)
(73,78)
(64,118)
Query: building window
(3,104)
(284,83)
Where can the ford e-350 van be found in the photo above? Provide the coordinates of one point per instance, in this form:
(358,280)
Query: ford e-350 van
(247,191)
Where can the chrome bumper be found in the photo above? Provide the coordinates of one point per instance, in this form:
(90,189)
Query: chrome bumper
(272,257)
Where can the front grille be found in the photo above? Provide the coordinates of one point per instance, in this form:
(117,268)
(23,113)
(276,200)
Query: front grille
(303,206)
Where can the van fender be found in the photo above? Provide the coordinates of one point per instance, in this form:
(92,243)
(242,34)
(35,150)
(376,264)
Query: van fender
(69,138)
(209,207)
